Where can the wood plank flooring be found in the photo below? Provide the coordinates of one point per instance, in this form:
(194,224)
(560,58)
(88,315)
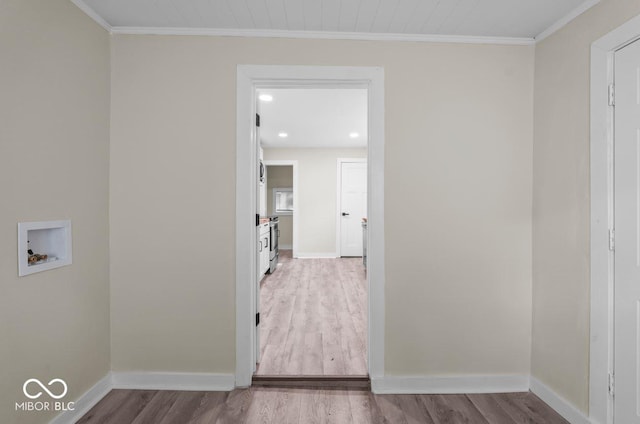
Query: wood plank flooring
(313,317)
(302,406)
(313,323)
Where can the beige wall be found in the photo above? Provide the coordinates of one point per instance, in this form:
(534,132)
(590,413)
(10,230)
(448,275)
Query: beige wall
(54,155)
(317,182)
(560,351)
(458,200)
(280,177)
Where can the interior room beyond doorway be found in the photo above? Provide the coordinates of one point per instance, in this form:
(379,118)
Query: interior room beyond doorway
(314,306)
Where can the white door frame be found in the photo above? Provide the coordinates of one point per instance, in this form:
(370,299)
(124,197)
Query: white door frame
(294,165)
(249,79)
(339,200)
(602,218)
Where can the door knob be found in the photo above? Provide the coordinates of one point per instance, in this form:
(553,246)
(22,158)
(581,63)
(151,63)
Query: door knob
(345,213)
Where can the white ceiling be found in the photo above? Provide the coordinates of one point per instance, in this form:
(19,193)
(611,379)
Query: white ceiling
(526,19)
(314,118)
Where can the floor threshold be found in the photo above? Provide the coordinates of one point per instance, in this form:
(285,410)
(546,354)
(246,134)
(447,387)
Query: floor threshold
(325,382)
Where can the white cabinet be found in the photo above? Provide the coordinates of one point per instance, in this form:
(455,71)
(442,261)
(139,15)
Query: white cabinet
(263,249)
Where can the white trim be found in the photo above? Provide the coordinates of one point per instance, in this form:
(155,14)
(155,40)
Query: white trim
(245,227)
(145,381)
(324,35)
(557,25)
(558,403)
(173,381)
(375,231)
(284,246)
(88,10)
(294,164)
(316,255)
(450,384)
(85,402)
(249,78)
(336,35)
(601,154)
(340,161)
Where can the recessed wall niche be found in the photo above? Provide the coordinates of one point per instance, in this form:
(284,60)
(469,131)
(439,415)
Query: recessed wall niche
(43,245)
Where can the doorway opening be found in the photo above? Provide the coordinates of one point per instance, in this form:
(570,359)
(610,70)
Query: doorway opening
(250,80)
(313,305)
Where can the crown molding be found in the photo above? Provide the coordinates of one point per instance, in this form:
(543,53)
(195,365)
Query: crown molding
(560,23)
(92,14)
(325,35)
(337,35)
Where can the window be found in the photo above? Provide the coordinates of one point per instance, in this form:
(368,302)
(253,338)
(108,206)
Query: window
(283,201)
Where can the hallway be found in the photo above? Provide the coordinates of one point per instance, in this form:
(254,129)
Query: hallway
(313,317)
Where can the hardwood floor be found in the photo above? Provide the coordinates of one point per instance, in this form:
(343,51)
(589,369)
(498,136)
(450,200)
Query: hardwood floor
(281,406)
(313,318)
(314,324)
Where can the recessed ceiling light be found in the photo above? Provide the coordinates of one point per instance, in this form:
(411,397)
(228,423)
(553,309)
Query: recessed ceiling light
(283,135)
(354,135)
(265,97)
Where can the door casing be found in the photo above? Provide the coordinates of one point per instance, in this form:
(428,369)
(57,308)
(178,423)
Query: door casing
(602,218)
(249,79)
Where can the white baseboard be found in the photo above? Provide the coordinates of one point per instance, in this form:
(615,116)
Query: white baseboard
(317,255)
(284,246)
(85,402)
(450,385)
(558,403)
(173,381)
(148,381)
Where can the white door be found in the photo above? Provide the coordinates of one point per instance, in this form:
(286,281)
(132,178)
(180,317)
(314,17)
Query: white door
(627,235)
(353,206)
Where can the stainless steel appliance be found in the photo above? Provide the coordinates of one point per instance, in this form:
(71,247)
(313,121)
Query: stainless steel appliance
(274,234)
